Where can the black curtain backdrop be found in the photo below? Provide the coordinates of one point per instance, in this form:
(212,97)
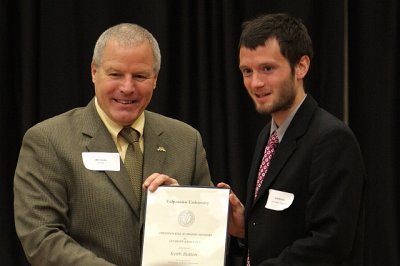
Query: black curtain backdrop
(374,77)
(45,55)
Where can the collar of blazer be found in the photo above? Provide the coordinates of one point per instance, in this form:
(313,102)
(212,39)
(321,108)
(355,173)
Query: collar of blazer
(97,139)
(286,147)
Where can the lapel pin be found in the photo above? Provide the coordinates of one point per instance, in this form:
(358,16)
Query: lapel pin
(161,148)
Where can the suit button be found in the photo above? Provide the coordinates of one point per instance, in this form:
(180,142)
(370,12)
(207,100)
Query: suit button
(254,223)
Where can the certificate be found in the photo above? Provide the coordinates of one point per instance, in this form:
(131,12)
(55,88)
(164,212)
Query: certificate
(186,226)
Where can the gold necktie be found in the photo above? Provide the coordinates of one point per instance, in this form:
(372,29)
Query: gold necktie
(133,159)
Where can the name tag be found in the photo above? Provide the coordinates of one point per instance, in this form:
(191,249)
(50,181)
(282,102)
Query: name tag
(101,161)
(279,200)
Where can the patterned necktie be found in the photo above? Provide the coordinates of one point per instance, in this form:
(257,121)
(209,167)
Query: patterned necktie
(133,159)
(268,153)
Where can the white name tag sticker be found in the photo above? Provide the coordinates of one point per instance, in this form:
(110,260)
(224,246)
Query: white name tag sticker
(279,200)
(101,161)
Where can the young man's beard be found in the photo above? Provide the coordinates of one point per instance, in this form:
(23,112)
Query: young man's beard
(285,99)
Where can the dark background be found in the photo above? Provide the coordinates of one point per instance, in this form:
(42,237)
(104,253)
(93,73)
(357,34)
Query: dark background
(45,54)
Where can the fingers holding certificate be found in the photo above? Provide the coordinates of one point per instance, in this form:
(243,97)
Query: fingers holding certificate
(186,226)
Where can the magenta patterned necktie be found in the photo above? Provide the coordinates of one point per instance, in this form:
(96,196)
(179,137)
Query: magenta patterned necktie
(268,153)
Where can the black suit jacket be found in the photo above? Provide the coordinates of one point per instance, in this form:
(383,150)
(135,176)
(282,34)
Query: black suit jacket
(319,161)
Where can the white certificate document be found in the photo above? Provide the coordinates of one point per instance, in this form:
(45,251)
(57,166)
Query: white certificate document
(186,226)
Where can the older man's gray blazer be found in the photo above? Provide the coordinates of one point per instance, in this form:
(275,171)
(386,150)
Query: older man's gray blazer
(66,214)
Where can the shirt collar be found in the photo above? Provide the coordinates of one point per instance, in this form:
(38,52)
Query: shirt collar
(282,129)
(114,128)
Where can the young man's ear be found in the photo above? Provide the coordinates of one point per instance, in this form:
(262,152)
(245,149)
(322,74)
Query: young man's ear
(302,67)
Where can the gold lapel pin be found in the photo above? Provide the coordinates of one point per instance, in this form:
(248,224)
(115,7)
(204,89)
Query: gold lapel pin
(161,148)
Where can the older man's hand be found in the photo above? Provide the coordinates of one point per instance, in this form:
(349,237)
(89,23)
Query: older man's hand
(155,180)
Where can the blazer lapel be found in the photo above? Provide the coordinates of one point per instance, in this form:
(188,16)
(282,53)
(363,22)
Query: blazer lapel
(155,148)
(255,165)
(101,141)
(282,154)
(288,145)
(155,152)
